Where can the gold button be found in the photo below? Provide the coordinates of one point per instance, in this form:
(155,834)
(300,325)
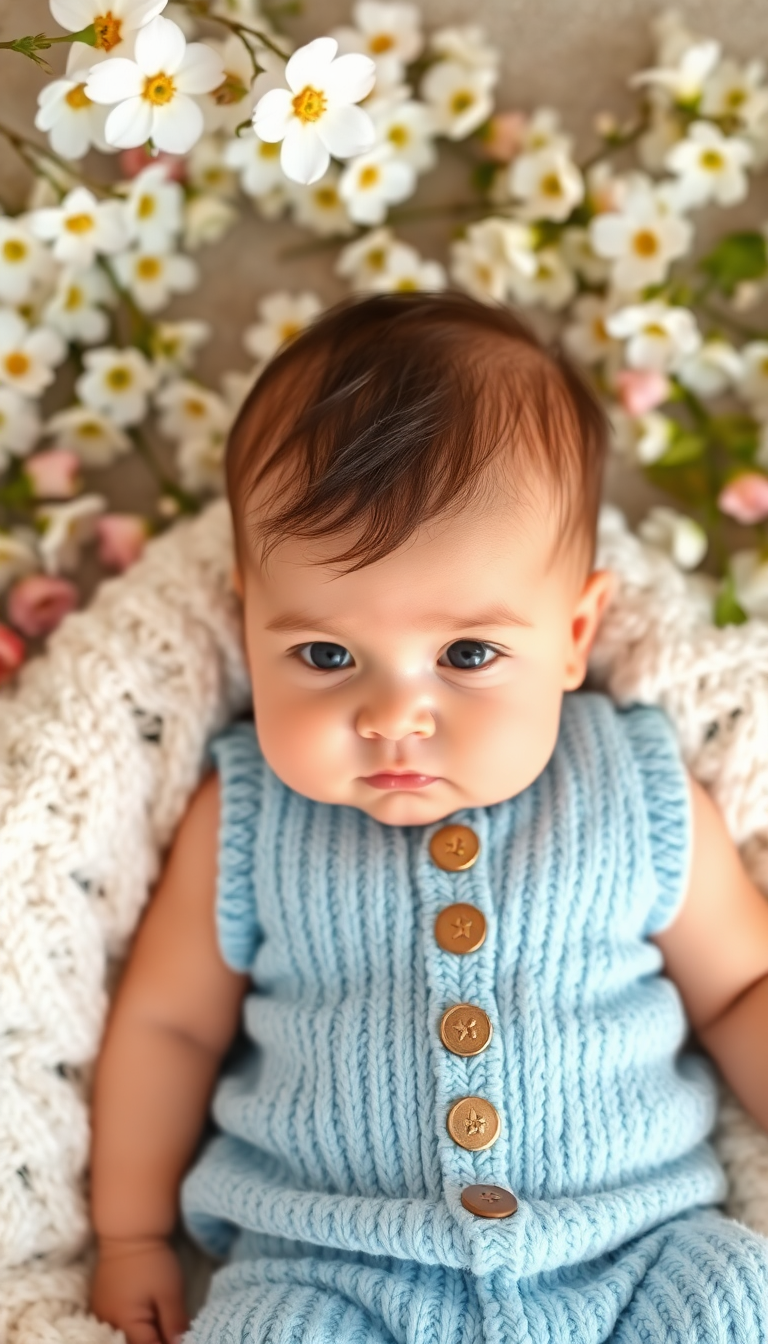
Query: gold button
(465,1030)
(488,1201)
(460,928)
(473,1123)
(454,848)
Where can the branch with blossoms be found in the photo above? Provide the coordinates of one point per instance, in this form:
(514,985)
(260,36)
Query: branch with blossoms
(210,109)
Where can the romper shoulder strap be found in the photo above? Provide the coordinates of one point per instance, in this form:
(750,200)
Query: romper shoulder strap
(236,755)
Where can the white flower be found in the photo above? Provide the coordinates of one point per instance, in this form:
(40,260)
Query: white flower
(116,382)
(232,101)
(642,438)
(23,260)
(643,238)
(710,165)
(207,168)
(153,277)
(67,527)
(257,161)
(549,184)
(578,251)
(315,116)
(657,335)
(467,44)
(76,309)
(273,203)
(459,95)
(81,228)
(190,409)
(153,209)
(665,130)
(714,367)
(319,207)
(19,425)
(685,81)
(753,383)
(73,121)
(749,571)
(372,182)
(283,317)
(552,283)
(200,462)
(116,21)
(543,131)
(95,438)
(587,338)
(206,220)
(27,357)
(155,92)
(18,556)
(483,262)
(406,274)
(175,344)
(408,127)
(737,93)
(676,535)
(389,33)
(365,260)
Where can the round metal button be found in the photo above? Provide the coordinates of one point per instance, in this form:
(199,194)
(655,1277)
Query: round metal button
(473,1123)
(460,928)
(488,1201)
(465,1030)
(454,848)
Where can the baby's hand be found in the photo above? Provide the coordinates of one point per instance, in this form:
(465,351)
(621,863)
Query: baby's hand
(138,1287)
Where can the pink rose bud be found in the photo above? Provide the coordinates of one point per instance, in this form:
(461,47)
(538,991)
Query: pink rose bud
(745,498)
(53,474)
(502,137)
(12,651)
(641,390)
(122,537)
(132,161)
(39,602)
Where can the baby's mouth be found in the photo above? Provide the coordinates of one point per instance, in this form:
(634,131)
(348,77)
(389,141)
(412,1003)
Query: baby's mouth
(399,779)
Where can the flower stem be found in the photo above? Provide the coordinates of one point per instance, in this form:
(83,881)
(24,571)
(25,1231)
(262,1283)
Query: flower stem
(28,149)
(201,8)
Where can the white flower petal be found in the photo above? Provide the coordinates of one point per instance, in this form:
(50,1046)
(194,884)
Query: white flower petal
(135,13)
(303,156)
(45,223)
(72,14)
(129,124)
(201,70)
(177,125)
(273,115)
(349,79)
(13,329)
(345,131)
(46,345)
(309,65)
(160,46)
(114,80)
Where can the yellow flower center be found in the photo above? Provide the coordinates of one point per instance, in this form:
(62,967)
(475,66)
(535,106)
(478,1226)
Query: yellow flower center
(74,298)
(310,104)
(398,135)
(118,378)
(376,258)
(231,90)
(159,89)
(146,207)
(645,243)
(16,364)
(406,285)
(654,329)
(551,185)
(213,177)
(80,223)
(148,268)
(327,197)
(108,30)
(735,97)
(14,250)
(599,329)
(483,273)
(269,149)
(90,429)
(289,330)
(78,98)
(711,160)
(194,408)
(380,43)
(461,100)
(368,176)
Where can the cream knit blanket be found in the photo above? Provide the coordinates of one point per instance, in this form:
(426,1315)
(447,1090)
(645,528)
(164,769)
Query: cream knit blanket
(100,747)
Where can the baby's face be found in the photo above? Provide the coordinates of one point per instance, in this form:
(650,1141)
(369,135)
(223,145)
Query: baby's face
(429,681)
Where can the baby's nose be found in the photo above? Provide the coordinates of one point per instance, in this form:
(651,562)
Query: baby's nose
(395,716)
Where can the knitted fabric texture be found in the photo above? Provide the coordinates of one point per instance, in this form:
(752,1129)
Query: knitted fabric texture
(101,745)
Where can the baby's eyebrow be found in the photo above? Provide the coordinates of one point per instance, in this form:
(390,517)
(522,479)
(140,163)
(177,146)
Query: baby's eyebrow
(498,614)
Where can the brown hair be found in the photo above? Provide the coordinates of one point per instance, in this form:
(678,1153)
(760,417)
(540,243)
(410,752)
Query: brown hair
(385,411)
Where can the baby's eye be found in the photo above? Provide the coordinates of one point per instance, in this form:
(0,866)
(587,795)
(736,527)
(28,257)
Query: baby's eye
(468,653)
(327,657)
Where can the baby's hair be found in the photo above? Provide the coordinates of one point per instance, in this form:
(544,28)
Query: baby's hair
(382,415)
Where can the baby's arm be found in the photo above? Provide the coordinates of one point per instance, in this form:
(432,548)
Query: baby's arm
(716,951)
(174,1016)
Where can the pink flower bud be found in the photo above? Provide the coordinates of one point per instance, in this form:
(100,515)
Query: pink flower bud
(12,651)
(642,390)
(122,537)
(745,498)
(503,136)
(132,161)
(53,474)
(39,602)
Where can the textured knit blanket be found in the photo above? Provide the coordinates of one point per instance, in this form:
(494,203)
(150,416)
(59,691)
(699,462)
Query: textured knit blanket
(101,745)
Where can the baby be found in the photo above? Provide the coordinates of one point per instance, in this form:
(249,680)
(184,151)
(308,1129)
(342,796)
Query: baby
(464,918)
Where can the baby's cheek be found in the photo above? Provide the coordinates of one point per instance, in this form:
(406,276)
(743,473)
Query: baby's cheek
(302,742)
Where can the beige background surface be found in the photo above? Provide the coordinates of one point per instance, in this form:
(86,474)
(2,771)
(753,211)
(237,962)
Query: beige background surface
(575,54)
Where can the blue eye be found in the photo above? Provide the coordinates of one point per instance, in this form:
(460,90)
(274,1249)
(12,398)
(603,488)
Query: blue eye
(326,657)
(468,654)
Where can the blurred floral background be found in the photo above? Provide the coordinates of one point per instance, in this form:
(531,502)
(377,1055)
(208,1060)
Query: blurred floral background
(167,163)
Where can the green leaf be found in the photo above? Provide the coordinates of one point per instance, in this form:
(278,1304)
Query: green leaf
(685,447)
(741,256)
(727,609)
(738,434)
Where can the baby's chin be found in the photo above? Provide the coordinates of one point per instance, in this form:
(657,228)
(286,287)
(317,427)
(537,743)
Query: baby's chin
(408,807)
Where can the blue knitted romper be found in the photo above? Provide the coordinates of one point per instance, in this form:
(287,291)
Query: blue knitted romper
(333,1187)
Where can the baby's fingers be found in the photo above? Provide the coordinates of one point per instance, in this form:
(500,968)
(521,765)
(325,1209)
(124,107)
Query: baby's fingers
(174,1320)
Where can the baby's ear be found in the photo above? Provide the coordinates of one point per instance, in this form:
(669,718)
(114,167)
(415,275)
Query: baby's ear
(595,596)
